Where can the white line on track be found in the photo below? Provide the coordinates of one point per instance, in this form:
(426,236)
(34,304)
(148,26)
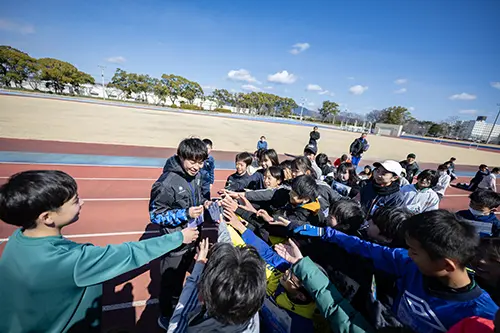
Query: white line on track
(128,305)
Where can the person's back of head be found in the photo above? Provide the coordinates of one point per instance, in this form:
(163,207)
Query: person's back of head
(321,160)
(305,188)
(385,225)
(347,216)
(485,199)
(208,142)
(495,171)
(344,158)
(233,284)
(29,194)
(192,149)
(440,243)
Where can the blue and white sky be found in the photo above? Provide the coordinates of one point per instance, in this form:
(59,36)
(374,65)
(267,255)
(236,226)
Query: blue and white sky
(440,58)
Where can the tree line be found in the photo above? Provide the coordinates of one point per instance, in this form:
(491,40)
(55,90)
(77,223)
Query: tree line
(17,67)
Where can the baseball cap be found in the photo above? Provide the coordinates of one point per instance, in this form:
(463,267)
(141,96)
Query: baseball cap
(391,166)
(311,148)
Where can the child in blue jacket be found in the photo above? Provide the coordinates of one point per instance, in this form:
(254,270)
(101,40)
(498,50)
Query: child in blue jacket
(435,290)
(482,212)
(208,171)
(262,143)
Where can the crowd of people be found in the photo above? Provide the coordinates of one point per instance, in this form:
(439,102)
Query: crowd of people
(297,245)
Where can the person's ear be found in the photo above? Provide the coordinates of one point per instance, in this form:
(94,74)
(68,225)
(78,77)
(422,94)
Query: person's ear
(449,265)
(46,218)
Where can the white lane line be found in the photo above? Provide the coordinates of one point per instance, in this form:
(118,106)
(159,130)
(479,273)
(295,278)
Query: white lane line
(128,305)
(104,234)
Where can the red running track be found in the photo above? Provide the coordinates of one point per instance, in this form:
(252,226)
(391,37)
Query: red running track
(116,211)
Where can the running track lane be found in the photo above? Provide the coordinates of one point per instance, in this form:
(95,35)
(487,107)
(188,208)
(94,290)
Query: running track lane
(116,211)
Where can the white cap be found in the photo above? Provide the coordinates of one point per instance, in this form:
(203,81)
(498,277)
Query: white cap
(391,166)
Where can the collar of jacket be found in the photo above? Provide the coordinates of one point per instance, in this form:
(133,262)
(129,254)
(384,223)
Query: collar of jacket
(303,310)
(313,206)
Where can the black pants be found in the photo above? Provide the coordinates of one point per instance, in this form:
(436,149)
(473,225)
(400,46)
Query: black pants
(173,270)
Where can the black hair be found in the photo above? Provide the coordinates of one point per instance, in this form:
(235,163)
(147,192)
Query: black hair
(192,149)
(483,166)
(344,158)
(305,186)
(495,170)
(286,164)
(244,157)
(233,283)
(411,156)
(349,216)
(489,246)
(208,142)
(303,164)
(442,167)
(447,163)
(28,194)
(315,127)
(263,137)
(430,175)
(453,159)
(272,155)
(389,221)
(321,160)
(276,172)
(485,198)
(443,235)
(353,176)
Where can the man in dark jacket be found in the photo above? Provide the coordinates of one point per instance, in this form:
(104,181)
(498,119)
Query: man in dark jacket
(357,148)
(411,167)
(383,189)
(314,137)
(176,203)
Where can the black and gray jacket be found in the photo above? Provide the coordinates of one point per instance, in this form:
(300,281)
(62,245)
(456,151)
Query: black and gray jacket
(171,197)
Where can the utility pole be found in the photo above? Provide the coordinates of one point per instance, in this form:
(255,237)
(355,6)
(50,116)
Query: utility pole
(102,77)
(302,108)
(494,123)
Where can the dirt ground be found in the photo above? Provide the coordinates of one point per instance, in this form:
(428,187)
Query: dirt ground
(45,119)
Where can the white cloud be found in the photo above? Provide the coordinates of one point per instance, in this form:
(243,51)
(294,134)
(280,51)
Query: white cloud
(411,108)
(467,111)
(282,77)
(358,89)
(401,81)
(400,91)
(314,87)
(17,27)
(463,97)
(116,60)
(241,75)
(495,85)
(323,92)
(249,87)
(299,47)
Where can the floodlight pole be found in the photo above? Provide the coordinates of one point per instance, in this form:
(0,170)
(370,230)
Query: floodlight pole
(494,123)
(102,77)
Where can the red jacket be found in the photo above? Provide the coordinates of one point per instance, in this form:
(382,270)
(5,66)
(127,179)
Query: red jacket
(473,325)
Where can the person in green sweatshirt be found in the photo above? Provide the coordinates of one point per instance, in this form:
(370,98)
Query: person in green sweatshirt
(336,309)
(49,283)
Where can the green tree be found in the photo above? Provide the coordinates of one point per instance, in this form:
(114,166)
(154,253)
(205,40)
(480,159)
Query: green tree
(175,85)
(285,105)
(15,66)
(222,97)
(191,91)
(435,130)
(160,91)
(58,74)
(329,109)
(123,81)
(397,115)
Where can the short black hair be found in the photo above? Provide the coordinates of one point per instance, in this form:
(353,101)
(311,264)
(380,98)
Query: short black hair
(28,194)
(389,221)
(443,235)
(442,167)
(411,156)
(453,159)
(303,164)
(495,170)
(305,186)
(192,149)
(483,166)
(315,127)
(208,142)
(490,246)
(233,283)
(344,158)
(276,172)
(272,155)
(244,157)
(262,137)
(286,164)
(485,198)
(321,160)
(430,175)
(349,216)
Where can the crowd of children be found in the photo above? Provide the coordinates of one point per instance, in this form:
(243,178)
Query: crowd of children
(304,245)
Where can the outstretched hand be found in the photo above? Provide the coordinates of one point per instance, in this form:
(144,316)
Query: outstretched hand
(264,215)
(290,251)
(189,235)
(247,205)
(202,252)
(233,221)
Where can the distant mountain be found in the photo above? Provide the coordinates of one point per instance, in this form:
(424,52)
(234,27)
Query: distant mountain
(306,113)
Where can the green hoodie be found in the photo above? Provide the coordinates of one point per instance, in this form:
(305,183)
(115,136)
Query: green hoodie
(338,311)
(51,284)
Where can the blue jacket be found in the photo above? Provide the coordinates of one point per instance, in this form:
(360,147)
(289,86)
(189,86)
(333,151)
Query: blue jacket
(261,145)
(414,306)
(208,170)
(491,223)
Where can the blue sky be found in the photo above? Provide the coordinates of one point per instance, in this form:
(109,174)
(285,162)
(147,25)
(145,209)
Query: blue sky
(444,53)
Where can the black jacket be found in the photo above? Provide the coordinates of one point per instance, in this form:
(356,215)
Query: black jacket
(358,147)
(313,138)
(326,196)
(171,197)
(238,183)
(373,197)
(411,170)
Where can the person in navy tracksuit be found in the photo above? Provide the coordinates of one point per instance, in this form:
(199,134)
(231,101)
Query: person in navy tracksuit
(481,211)
(208,171)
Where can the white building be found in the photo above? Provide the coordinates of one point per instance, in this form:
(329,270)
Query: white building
(478,130)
